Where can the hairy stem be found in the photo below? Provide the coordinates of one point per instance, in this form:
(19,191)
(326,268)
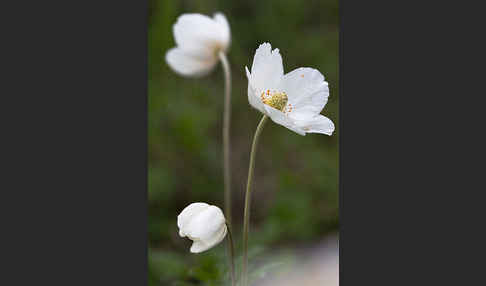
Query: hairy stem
(232,256)
(226,137)
(246,218)
(226,158)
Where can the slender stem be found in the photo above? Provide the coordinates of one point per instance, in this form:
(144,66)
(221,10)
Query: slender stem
(226,136)
(226,158)
(232,255)
(246,218)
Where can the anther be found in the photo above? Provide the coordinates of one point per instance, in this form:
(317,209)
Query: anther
(277,100)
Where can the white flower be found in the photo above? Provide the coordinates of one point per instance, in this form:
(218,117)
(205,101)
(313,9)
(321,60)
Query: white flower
(202,223)
(293,100)
(199,38)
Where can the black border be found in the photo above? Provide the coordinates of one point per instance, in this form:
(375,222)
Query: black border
(406,213)
(74,194)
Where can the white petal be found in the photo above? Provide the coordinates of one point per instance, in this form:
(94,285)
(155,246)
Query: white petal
(207,224)
(225,27)
(307,92)
(279,117)
(267,68)
(188,65)
(200,35)
(317,124)
(198,246)
(187,214)
(213,240)
(253,97)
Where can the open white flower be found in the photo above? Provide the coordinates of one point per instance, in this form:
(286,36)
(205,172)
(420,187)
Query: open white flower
(202,223)
(293,100)
(199,39)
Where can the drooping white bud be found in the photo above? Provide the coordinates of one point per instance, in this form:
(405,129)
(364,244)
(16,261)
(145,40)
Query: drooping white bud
(204,224)
(199,39)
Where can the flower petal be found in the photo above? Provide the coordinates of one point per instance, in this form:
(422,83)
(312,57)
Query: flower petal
(207,224)
(188,65)
(267,68)
(253,97)
(199,246)
(212,241)
(307,92)
(317,124)
(199,34)
(225,27)
(279,117)
(187,214)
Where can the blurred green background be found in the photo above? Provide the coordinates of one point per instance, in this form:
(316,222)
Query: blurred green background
(295,197)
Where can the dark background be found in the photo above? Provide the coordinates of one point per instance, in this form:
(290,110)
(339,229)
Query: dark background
(295,199)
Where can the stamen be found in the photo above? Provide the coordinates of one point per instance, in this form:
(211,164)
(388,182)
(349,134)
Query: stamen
(277,100)
(288,108)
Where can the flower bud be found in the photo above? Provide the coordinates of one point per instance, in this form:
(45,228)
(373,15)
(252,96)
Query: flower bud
(204,224)
(199,39)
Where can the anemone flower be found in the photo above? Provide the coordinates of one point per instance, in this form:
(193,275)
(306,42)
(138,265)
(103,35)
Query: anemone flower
(294,100)
(204,224)
(199,40)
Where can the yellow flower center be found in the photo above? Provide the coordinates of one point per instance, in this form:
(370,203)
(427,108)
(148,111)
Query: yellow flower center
(277,100)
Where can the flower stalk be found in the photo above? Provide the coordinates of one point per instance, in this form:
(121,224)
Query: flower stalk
(246,218)
(226,158)
(226,136)
(232,256)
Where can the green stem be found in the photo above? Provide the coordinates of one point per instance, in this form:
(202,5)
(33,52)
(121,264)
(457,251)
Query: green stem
(226,158)
(246,218)
(232,255)
(226,136)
